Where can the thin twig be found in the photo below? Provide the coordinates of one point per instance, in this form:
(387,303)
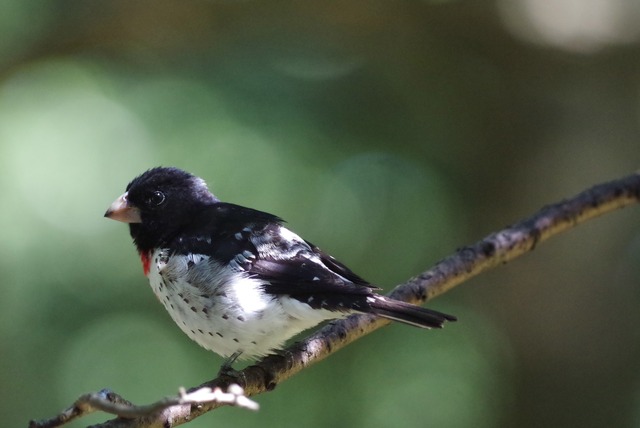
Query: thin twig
(520,238)
(494,250)
(110,402)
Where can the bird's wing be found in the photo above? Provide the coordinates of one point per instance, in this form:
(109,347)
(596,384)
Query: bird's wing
(257,243)
(294,267)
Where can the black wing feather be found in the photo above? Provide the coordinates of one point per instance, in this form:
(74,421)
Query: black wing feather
(306,273)
(226,230)
(214,231)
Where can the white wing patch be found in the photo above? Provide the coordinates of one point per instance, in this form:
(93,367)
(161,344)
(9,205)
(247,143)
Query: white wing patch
(287,246)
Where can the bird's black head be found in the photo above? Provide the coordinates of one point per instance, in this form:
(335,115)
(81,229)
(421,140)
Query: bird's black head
(160,202)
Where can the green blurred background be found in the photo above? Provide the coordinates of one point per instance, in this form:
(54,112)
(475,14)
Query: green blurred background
(389,133)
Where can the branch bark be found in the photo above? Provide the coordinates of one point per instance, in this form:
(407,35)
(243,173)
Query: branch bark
(494,250)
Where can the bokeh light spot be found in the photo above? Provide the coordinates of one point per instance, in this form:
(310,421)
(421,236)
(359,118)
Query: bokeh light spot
(63,140)
(574,25)
(388,210)
(448,378)
(130,354)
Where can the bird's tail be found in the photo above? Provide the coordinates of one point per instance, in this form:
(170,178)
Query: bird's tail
(407,313)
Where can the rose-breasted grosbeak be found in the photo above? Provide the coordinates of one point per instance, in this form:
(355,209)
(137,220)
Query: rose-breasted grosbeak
(235,279)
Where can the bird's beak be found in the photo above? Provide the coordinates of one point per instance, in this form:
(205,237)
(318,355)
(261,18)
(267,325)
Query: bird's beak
(123,211)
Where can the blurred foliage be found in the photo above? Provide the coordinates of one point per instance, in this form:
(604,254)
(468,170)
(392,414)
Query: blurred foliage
(388,133)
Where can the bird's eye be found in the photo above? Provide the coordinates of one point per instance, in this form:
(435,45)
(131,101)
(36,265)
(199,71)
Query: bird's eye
(156,198)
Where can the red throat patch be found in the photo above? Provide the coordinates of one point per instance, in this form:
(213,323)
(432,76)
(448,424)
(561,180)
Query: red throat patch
(146,262)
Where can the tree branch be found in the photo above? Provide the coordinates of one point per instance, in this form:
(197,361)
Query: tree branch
(110,402)
(494,250)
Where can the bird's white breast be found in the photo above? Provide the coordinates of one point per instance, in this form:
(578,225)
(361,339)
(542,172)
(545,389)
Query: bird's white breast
(223,311)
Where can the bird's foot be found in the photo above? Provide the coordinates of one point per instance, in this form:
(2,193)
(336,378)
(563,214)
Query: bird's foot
(229,373)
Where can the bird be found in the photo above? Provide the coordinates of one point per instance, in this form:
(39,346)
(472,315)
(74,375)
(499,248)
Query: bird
(236,280)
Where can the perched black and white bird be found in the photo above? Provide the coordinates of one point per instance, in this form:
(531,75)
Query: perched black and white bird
(235,279)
